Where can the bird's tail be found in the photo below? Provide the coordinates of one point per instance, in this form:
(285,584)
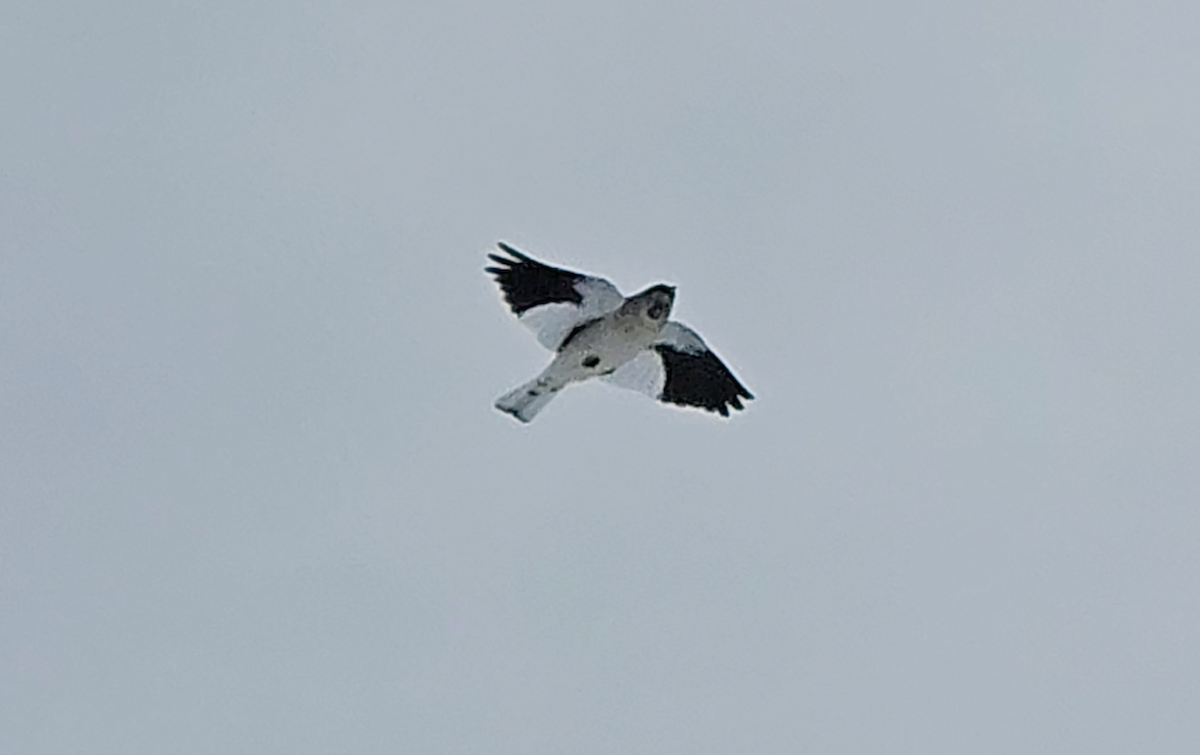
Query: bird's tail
(525,401)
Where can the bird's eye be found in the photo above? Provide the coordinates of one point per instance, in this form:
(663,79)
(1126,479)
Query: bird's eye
(655,311)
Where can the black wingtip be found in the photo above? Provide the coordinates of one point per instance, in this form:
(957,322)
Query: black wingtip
(510,250)
(527,283)
(701,380)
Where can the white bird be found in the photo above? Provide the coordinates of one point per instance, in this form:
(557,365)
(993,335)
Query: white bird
(596,332)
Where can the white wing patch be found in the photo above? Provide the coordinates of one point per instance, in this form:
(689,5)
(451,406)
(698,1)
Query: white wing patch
(552,322)
(644,374)
(599,297)
(682,338)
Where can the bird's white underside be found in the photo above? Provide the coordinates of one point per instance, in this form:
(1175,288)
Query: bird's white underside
(644,373)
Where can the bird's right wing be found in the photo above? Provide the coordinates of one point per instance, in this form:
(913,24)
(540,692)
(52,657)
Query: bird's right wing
(548,300)
(679,368)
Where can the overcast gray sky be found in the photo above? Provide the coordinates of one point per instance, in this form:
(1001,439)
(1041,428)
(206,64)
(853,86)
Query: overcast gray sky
(253,493)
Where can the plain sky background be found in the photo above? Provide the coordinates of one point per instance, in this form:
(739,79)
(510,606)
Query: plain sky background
(254,497)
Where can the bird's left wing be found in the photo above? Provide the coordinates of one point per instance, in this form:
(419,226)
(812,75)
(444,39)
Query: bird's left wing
(679,368)
(548,300)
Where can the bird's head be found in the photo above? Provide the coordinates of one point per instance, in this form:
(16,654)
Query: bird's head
(654,303)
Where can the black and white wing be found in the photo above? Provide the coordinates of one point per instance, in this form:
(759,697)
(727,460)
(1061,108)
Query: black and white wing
(548,300)
(679,368)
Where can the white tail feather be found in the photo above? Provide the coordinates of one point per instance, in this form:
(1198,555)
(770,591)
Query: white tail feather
(524,402)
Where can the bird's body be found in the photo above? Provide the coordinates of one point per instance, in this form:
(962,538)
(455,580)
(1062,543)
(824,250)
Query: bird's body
(596,332)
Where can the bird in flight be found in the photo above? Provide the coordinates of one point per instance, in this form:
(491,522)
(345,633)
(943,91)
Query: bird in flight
(594,331)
